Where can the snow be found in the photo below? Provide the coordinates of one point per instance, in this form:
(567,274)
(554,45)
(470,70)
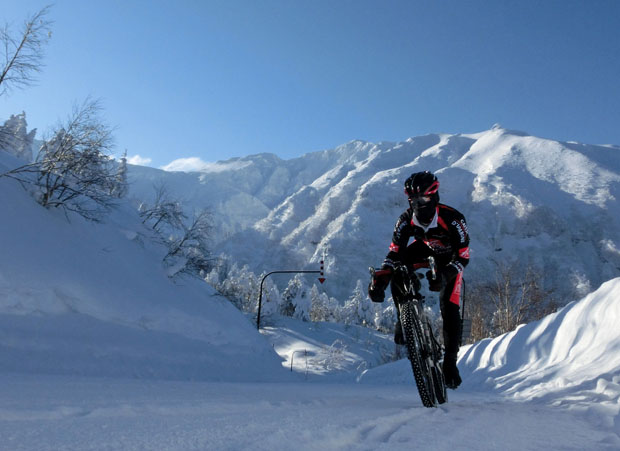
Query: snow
(551,204)
(569,356)
(91,414)
(94,275)
(99,349)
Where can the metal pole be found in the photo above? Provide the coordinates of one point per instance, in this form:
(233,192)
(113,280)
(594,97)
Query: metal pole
(260,295)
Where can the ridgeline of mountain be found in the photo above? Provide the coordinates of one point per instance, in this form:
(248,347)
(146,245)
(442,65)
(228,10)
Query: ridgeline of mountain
(550,204)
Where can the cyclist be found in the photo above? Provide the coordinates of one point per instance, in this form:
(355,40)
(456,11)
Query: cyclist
(439,231)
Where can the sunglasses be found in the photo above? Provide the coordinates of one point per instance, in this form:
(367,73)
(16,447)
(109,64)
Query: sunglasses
(421,200)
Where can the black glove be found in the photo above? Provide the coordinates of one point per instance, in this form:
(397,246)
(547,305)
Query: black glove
(435,284)
(378,284)
(444,276)
(375,292)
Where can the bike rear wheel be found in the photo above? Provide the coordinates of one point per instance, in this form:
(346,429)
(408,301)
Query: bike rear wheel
(418,354)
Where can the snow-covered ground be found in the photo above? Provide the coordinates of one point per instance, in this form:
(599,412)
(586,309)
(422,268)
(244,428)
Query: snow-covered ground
(53,413)
(100,350)
(550,385)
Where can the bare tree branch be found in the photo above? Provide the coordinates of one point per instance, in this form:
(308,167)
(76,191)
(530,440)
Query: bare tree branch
(192,247)
(516,296)
(164,212)
(22,55)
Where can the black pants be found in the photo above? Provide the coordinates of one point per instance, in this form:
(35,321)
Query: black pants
(449,297)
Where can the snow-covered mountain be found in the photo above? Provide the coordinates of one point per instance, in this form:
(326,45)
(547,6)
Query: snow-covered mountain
(542,202)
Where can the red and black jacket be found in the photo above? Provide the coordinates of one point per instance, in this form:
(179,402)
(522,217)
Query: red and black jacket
(446,238)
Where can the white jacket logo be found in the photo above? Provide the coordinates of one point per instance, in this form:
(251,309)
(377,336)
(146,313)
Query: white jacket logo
(461,227)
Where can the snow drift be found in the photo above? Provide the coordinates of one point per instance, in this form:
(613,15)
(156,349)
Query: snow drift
(566,355)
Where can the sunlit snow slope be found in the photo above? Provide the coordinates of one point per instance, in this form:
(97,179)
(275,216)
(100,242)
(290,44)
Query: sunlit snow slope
(94,299)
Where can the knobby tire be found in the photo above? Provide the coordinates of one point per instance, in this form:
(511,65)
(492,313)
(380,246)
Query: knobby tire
(439,382)
(417,354)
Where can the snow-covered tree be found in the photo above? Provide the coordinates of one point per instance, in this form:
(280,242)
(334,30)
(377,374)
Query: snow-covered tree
(356,309)
(296,300)
(302,304)
(271,298)
(287,308)
(121,186)
(15,137)
(318,309)
(219,271)
(73,169)
(323,308)
(240,286)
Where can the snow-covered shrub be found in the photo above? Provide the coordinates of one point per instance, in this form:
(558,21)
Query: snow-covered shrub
(73,170)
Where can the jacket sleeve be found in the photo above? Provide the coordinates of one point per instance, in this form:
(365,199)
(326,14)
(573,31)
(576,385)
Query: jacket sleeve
(400,238)
(460,243)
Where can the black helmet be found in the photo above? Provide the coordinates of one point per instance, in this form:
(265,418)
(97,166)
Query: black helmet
(422,190)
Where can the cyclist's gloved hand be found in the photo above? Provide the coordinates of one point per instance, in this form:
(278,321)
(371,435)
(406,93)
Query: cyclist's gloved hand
(378,284)
(375,292)
(444,276)
(434,284)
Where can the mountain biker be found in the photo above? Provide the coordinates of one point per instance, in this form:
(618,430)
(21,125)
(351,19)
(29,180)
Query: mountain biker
(439,231)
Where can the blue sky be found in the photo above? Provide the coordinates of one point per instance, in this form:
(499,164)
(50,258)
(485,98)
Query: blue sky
(221,79)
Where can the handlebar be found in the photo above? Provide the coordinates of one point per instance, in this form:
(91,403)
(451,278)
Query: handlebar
(429,263)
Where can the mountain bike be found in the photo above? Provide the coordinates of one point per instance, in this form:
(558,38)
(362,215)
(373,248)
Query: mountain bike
(424,351)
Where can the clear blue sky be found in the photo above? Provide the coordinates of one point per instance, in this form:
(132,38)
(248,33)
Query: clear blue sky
(220,79)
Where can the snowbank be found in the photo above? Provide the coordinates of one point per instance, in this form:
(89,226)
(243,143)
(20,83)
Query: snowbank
(574,346)
(569,357)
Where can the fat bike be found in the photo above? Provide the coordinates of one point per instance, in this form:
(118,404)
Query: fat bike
(424,351)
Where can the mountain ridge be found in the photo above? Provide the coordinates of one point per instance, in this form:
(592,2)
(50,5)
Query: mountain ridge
(518,192)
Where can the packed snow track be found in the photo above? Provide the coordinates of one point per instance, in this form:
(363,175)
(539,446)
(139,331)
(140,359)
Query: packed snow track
(53,413)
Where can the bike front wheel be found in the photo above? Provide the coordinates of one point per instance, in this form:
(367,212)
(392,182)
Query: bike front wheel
(419,353)
(439,382)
